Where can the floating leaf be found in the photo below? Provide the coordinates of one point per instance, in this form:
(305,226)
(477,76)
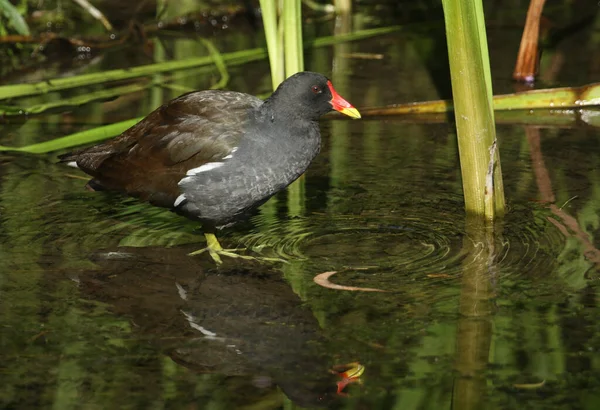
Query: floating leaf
(322,279)
(529,386)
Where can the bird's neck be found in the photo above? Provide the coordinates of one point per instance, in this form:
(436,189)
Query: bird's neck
(277,111)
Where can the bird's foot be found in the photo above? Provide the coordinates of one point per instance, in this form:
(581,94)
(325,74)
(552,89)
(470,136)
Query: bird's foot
(214,249)
(217,253)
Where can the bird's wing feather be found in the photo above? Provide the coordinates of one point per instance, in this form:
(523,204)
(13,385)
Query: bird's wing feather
(150,158)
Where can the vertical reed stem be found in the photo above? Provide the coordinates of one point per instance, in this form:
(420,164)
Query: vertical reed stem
(292,29)
(472,94)
(269,15)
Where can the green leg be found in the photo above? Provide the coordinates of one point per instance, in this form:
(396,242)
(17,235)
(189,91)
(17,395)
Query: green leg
(215,250)
(214,247)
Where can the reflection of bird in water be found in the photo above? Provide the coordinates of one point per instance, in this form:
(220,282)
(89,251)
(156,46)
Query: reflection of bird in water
(245,323)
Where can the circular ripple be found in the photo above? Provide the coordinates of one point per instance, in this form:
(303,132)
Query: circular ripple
(433,243)
(409,244)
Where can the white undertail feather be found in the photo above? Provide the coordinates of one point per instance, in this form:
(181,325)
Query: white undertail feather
(179,200)
(205,167)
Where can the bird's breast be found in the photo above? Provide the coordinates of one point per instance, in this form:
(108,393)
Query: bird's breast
(257,170)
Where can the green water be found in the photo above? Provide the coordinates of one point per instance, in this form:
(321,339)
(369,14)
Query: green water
(101,308)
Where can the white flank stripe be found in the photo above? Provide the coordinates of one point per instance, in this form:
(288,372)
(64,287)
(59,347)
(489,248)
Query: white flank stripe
(203,330)
(73,164)
(205,167)
(233,150)
(184,180)
(181,291)
(179,200)
(191,321)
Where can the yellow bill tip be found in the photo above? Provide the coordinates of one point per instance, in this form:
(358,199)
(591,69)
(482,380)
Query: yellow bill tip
(350,112)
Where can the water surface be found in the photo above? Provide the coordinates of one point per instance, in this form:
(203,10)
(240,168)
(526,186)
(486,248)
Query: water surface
(102,308)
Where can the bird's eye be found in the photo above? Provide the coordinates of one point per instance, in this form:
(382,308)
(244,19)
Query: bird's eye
(316,89)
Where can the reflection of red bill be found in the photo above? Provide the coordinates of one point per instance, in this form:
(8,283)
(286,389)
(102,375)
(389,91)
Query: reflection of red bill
(350,373)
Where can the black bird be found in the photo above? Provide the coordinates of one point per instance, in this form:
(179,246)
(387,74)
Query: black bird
(214,156)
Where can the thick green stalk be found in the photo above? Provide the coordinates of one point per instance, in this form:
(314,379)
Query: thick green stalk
(485,55)
(471,88)
(157,94)
(342,6)
(276,61)
(292,34)
(339,150)
(294,63)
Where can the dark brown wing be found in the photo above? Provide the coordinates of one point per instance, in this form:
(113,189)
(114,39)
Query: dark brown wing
(150,158)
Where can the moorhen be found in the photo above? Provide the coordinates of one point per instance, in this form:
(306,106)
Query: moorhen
(214,156)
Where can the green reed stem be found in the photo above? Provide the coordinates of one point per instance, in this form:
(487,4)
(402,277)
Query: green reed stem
(235,58)
(78,138)
(294,63)
(104,132)
(74,101)
(564,98)
(20,90)
(471,89)
(292,34)
(276,60)
(219,63)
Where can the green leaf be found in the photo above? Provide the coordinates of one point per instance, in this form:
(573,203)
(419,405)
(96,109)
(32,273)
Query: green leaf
(14,17)
(79,138)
